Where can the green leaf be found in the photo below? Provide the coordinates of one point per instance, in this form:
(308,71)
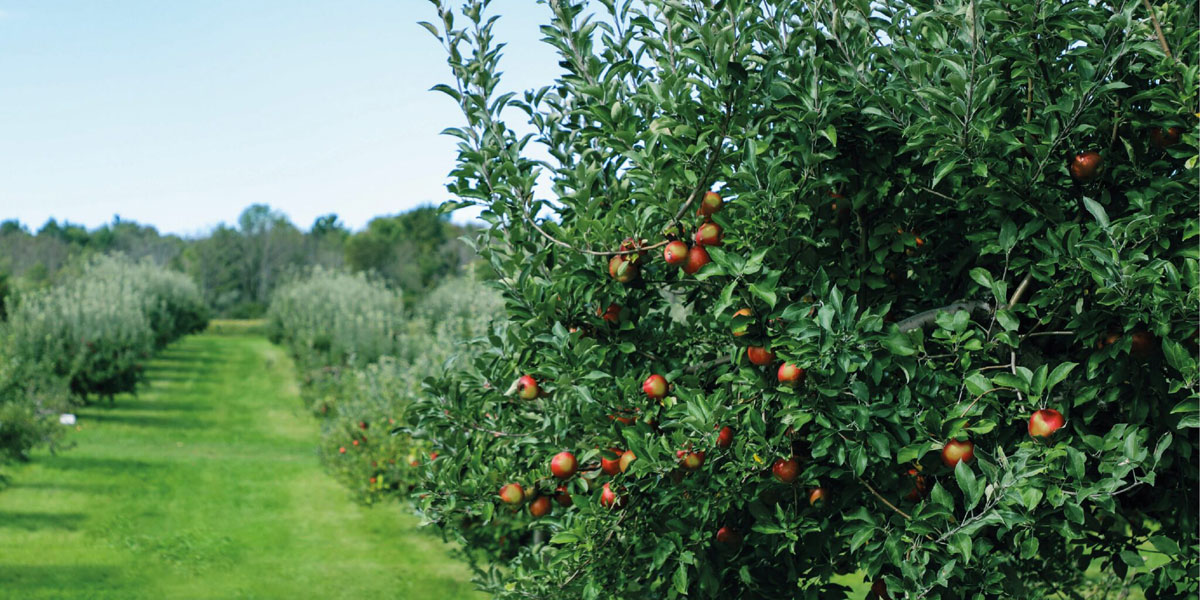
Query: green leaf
(971,488)
(681,579)
(898,343)
(1059,373)
(1097,211)
(940,496)
(564,537)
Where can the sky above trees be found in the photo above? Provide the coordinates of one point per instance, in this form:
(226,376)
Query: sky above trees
(180,114)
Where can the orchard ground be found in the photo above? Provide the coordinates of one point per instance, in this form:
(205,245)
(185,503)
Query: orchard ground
(207,485)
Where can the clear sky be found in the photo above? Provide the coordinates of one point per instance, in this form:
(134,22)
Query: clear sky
(179,114)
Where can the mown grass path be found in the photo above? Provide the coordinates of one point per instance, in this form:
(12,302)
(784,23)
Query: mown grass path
(207,485)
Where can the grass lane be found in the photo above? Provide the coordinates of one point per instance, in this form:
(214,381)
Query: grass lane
(207,485)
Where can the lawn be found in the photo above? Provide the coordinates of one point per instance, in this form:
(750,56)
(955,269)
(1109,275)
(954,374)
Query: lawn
(206,485)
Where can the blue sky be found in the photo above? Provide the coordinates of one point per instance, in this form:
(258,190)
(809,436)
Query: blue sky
(179,114)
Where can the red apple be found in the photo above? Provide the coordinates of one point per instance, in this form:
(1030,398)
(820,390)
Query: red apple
(709,234)
(527,387)
(956,451)
(609,498)
(622,269)
(1162,138)
(512,494)
(1141,344)
(725,437)
(676,253)
(760,356)
(740,330)
(790,374)
(612,314)
(342,450)
(611,466)
(729,536)
(1045,422)
(562,496)
(563,465)
(710,204)
(372,480)
(786,470)
(919,486)
(362,425)
(655,386)
(1085,166)
(540,507)
(697,258)
(690,461)
(816,495)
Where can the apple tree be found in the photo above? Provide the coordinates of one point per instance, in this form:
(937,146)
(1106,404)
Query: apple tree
(824,296)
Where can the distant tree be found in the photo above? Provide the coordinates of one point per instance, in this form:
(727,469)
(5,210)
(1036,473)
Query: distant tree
(411,249)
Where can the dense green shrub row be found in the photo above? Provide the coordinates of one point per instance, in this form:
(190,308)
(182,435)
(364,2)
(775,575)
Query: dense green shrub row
(363,361)
(88,336)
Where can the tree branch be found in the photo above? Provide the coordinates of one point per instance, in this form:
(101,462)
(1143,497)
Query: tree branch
(1162,40)
(879,497)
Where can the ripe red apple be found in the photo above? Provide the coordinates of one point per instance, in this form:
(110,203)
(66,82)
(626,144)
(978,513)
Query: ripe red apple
(740,330)
(655,386)
(1085,166)
(622,269)
(697,258)
(563,465)
(612,314)
(709,234)
(725,437)
(362,425)
(816,495)
(879,588)
(729,536)
(710,204)
(355,442)
(609,498)
(527,387)
(372,480)
(342,450)
(512,493)
(760,356)
(1045,422)
(611,466)
(688,460)
(1162,138)
(562,496)
(790,374)
(433,455)
(540,507)
(786,470)
(956,451)
(626,459)
(1141,344)
(676,253)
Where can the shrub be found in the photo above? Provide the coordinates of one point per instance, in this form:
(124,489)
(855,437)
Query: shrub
(911,219)
(331,318)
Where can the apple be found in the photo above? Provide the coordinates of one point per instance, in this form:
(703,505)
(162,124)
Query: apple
(1162,138)
(624,420)
(1141,344)
(759,355)
(729,536)
(709,234)
(725,437)
(433,455)
(1108,340)
(611,466)
(1085,166)
(563,465)
(562,496)
(362,425)
(956,451)
(655,386)
(919,486)
(710,204)
(676,253)
(355,442)
(790,374)
(816,495)
(512,494)
(786,470)
(612,314)
(626,459)
(690,461)
(372,480)
(527,387)
(540,507)
(622,269)
(740,330)
(342,450)
(697,258)
(609,498)
(1045,422)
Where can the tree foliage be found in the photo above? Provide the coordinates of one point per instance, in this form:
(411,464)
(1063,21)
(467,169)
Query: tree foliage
(903,224)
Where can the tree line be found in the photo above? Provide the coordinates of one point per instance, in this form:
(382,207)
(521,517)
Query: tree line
(237,266)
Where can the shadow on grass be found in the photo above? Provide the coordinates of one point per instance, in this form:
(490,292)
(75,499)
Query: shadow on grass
(116,466)
(14,578)
(150,421)
(32,521)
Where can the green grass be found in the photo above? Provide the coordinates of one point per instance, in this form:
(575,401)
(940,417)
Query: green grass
(207,485)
